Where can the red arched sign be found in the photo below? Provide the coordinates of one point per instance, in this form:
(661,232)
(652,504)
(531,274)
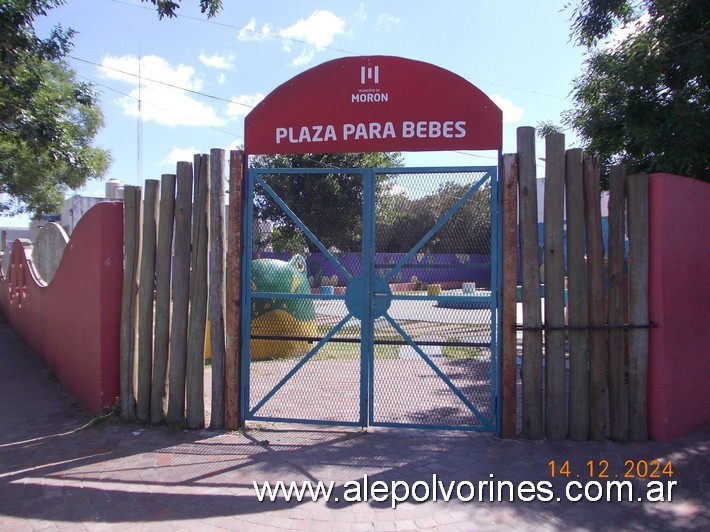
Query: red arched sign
(372,104)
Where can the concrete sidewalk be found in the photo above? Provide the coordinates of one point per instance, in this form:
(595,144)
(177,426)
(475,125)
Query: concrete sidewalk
(57,472)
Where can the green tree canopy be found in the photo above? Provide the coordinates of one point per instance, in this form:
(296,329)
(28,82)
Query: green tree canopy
(48,119)
(467,231)
(643,101)
(328,204)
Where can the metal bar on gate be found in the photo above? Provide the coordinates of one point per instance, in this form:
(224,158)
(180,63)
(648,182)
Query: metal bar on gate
(292,295)
(434,169)
(367,351)
(484,427)
(436,370)
(496,294)
(483,301)
(300,364)
(245,325)
(303,227)
(474,188)
(321,422)
(312,339)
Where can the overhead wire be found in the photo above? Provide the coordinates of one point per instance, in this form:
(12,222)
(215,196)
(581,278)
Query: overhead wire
(234,102)
(150,104)
(325,47)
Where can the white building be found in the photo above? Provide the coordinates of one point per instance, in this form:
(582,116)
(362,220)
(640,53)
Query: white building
(77,206)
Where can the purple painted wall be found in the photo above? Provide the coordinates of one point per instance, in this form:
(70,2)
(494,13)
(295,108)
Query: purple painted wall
(424,267)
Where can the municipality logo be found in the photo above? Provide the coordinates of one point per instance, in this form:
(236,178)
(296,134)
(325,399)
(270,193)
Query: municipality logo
(369,75)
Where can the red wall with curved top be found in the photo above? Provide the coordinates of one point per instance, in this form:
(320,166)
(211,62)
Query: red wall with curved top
(74,322)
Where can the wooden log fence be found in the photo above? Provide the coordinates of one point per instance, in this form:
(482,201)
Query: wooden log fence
(584,365)
(174,284)
(595,388)
(532,311)
(180,294)
(217,294)
(555,379)
(129,304)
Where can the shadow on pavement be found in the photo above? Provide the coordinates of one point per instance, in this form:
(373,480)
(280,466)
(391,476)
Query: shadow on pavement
(56,467)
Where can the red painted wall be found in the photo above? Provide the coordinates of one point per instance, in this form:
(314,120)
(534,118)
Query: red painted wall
(679,303)
(74,322)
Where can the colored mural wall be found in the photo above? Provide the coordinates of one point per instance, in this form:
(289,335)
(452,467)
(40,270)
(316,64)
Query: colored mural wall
(447,269)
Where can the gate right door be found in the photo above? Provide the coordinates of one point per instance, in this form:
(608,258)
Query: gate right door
(434,308)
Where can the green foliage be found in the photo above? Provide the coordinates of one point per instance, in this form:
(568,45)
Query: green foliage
(467,231)
(328,204)
(168,8)
(595,19)
(644,102)
(48,119)
(547,127)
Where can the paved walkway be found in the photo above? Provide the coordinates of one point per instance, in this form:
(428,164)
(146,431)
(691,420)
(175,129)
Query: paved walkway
(57,472)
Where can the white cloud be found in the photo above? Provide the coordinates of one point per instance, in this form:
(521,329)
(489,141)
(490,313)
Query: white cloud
(316,32)
(222,79)
(179,154)
(220,62)
(242,104)
(385,22)
(235,145)
(511,112)
(250,33)
(152,67)
(161,103)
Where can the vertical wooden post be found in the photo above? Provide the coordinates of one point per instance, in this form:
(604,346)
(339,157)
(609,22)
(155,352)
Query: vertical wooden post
(145,301)
(509,393)
(638,305)
(598,392)
(577,299)
(181,295)
(234,282)
(216,286)
(618,392)
(164,262)
(532,312)
(555,372)
(195,375)
(129,310)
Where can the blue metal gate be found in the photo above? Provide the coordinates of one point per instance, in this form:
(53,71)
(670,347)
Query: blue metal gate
(380,309)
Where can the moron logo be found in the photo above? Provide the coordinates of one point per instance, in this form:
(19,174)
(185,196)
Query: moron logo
(367,73)
(369,77)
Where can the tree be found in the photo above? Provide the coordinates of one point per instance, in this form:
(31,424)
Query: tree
(330,205)
(48,119)
(547,127)
(168,8)
(643,101)
(467,231)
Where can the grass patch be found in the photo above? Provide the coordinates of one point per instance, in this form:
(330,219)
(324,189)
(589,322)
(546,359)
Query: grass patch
(455,352)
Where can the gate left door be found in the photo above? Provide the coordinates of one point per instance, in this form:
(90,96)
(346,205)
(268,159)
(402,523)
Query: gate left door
(299,363)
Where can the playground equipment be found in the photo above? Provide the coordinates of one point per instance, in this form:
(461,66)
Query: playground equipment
(285,319)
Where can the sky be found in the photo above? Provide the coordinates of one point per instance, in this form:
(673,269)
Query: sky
(199,77)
